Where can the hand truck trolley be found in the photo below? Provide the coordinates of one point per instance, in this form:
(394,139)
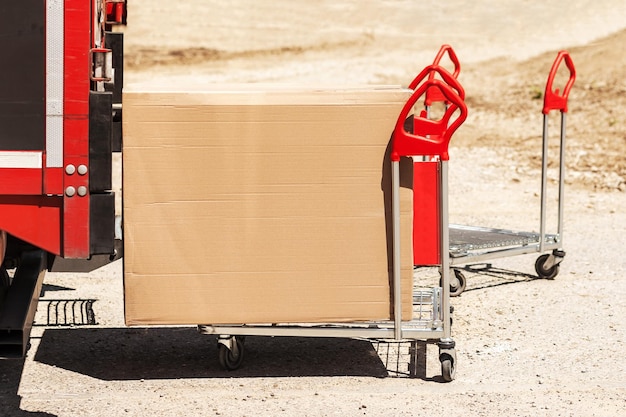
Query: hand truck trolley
(472,244)
(431,320)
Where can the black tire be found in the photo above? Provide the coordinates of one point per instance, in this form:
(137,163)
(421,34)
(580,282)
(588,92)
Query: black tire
(456,290)
(5,279)
(462,283)
(228,360)
(448,367)
(5,283)
(544,273)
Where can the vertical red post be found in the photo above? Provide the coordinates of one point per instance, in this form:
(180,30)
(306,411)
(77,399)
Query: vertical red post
(77,43)
(426,212)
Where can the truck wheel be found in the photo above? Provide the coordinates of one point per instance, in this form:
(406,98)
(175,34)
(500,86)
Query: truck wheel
(5,279)
(5,283)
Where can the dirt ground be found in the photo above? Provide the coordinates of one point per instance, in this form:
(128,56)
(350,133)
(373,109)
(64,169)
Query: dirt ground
(526,346)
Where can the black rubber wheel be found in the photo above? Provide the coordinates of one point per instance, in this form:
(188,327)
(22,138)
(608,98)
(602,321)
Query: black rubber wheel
(228,360)
(5,283)
(448,367)
(457,286)
(456,290)
(542,272)
(5,279)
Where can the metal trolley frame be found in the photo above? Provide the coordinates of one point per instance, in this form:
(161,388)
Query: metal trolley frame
(431,320)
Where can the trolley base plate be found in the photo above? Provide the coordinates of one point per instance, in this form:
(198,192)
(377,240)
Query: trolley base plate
(466,239)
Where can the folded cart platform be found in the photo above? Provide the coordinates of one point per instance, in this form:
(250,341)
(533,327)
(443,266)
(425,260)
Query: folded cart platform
(472,243)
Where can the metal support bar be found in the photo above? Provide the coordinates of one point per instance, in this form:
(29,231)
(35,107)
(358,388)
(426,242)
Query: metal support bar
(397,289)
(544,184)
(445,247)
(20,304)
(339,330)
(561,178)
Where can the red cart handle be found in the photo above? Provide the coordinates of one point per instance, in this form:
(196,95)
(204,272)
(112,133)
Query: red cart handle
(434,95)
(448,78)
(552,100)
(451,55)
(430,137)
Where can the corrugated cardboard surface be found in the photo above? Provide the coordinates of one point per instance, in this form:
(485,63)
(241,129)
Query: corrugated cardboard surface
(261,204)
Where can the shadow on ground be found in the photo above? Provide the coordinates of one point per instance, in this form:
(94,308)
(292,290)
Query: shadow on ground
(10,377)
(164,353)
(483,276)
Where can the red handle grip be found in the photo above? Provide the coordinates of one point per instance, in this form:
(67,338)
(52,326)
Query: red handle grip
(552,100)
(434,95)
(430,137)
(448,78)
(451,55)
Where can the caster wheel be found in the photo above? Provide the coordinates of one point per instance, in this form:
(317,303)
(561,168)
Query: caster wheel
(457,283)
(542,272)
(448,367)
(229,359)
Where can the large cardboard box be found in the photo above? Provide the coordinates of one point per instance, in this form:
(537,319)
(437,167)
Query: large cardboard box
(261,204)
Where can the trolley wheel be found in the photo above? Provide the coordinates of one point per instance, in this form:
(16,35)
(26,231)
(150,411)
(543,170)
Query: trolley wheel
(457,283)
(230,360)
(550,273)
(448,367)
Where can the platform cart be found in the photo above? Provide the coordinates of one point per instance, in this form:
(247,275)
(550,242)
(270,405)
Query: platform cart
(431,320)
(474,244)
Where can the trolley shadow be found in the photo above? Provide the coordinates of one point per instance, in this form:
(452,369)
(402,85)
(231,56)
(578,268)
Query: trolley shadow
(485,275)
(170,353)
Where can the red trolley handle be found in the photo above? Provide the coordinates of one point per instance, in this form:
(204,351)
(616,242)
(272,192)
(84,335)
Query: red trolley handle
(431,71)
(430,137)
(552,100)
(451,55)
(434,95)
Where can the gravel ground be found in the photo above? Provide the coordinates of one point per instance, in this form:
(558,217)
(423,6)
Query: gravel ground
(526,346)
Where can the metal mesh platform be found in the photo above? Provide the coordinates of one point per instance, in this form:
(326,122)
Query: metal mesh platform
(465,239)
